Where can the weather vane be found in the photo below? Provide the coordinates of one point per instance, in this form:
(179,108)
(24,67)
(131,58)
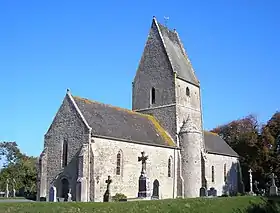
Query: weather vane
(166,18)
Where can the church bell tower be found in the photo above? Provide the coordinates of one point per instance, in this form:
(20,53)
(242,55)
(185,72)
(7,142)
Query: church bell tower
(166,87)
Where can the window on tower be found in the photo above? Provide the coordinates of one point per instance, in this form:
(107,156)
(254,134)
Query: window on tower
(153,95)
(188,92)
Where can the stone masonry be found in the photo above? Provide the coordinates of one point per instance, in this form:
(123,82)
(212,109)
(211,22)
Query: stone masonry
(89,141)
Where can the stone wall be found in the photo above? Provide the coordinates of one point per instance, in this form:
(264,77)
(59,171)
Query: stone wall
(154,71)
(105,158)
(188,105)
(218,161)
(67,125)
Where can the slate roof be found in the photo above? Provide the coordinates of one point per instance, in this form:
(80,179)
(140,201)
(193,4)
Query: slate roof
(177,55)
(106,120)
(216,145)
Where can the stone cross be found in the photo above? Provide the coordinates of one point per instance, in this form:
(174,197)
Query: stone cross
(273,190)
(14,190)
(143,159)
(273,176)
(108,181)
(251,180)
(7,188)
(107,195)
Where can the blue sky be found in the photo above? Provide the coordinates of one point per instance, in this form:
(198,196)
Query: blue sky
(94,47)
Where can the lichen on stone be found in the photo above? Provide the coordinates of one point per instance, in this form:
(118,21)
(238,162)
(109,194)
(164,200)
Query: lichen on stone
(161,131)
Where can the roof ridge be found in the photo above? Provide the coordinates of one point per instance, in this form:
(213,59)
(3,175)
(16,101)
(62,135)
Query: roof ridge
(108,105)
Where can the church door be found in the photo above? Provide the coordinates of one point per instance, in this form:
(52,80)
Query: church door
(65,187)
(156,189)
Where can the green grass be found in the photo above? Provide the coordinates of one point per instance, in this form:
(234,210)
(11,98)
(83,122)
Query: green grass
(198,205)
(11,198)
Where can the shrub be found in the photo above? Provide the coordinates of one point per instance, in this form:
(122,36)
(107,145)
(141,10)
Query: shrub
(119,197)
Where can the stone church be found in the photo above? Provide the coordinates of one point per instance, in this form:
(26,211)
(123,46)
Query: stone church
(89,141)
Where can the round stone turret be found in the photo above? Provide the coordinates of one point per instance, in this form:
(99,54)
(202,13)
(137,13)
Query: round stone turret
(190,141)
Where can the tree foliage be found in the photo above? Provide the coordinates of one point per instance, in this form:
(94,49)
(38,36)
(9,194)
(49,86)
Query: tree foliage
(257,145)
(18,167)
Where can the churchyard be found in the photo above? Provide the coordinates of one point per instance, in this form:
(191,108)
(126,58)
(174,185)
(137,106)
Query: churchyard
(256,200)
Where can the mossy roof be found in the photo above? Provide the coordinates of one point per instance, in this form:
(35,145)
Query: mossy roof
(115,122)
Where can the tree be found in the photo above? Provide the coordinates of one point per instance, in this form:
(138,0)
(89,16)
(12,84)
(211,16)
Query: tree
(18,166)
(244,136)
(271,137)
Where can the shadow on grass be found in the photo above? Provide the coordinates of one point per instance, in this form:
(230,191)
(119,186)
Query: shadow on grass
(267,206)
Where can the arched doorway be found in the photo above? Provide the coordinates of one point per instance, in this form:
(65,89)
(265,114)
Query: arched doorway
(156,189)
(64,187)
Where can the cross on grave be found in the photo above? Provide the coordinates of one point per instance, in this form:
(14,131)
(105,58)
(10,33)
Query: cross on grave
(7,188)
(107,195)
(273,176)
(251,180)
(273,190)
(108,181)
(143,159)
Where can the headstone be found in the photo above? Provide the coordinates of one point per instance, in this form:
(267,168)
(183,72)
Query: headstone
(14,190)
(251,181)
(212,192)
(69,196)
(107,195)
(256,183)
(52,194)
(144,183)
(7,189)
(203,192)
(273,191)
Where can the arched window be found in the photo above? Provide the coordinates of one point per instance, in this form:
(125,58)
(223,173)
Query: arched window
(169,167)
(119,162)
(225,172)
(64,153)
(153,95)
(213,174)
(188,91)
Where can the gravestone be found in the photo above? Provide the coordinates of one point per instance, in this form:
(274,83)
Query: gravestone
(144,183)
(14,190)
(7,189)
(212,192)
(273,191)
(203,192)
(107,195)
(69,196)
(251,181)
(52,194)
(256,183)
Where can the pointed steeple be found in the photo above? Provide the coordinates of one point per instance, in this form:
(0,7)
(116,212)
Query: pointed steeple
(176,53)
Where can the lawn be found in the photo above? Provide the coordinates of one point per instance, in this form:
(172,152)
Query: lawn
(197,205)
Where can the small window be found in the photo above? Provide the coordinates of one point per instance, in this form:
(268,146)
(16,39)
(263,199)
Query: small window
(119,157)
(169,167)
(153,95)
(188,91)
(225,172)
(213,173)
(64,153)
